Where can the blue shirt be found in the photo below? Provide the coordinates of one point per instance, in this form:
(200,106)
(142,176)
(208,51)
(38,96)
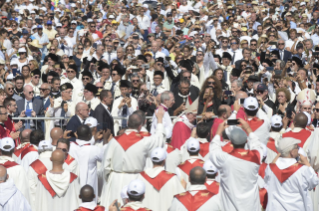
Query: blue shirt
(43,39)
(293,25)
(256,24)
(315,39)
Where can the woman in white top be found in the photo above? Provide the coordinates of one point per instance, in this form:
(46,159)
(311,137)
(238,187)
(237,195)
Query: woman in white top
(13,52)
(23,58)
(184,8)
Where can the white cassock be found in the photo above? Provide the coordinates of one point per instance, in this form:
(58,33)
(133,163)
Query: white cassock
(166,121)
(92,205)
(77,88)
(124,158)
(290,192)
(93,103)
(40,166)
(203,152)
(116,89)
(116,112)
(64,192)
(134,205)
(87,156)
(271,146)
(196,198)
(17,152)
(160,185)
(261,126)
(304,135)
(11,199)
(239,174)
(28,156)
(17,173)
(184,168)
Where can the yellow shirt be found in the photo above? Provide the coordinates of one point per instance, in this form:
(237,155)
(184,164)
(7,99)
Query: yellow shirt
(51,34)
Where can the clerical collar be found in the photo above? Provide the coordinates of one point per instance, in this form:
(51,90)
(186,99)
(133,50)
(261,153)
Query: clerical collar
(183,96)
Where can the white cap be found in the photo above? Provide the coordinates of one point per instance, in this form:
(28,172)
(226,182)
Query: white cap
(136,187)
(34,27)
(90,20)
(302,3)
(209,167)
(7,141)
(276,121)
(308,116)
(111,16)
(10,76)
(158,154)
(193,33)
(43,8)
(44,145)
(14,62)
(74,21)
(31,0)
(73,5)
(251,103)
(57,10)
(58,25)
(2,61)
(124,192)
(92,121)
(21,12)
(32,12)
(264,150)
(22,50)
(145,6)
(193,145)
(286,143)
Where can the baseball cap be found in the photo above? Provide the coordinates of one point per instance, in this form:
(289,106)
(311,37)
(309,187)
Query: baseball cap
(136,188)
(261,87)
(276,121)
(44,145)
(73,5)
(58,25)
(22,50)
(238,136)
(74,21)
(7,141)
(209,167)
(251,103)
(91,121)
(40,27)
(24,31)
(193,145)
(124,192)
(111,16)
(158,154)
(49,22)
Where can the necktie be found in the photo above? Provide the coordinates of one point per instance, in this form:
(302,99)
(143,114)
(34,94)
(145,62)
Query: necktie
(62,112)
(225,74)
(109,58)
(155,55)
(89,105)
(154,92)
(232,62)
(281,55)
(27,124)
(62,47)
(124,114)
(112,88)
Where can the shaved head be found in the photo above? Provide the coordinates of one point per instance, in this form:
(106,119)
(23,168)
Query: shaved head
(301,120)
(3,174)
(87,193)
(55,134)
(28,88)
(25,135)
(58,157)
(197,176)
(241,94)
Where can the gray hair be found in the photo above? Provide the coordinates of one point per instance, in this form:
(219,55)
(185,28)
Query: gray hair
(309,40)
(45,148)
(286,152)
(238,82)
(8,83)
(282,63)
(133,75)
(165,96)
(282,40)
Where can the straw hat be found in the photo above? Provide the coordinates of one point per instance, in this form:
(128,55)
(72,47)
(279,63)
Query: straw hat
(35,43)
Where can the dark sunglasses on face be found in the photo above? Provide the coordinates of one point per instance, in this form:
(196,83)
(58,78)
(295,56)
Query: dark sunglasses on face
(211,82)
(251,95)
(32,92)
(43,89)
(135,81)
(70,71)
(85,79)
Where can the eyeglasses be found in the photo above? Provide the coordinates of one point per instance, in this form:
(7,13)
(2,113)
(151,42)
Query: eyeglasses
(114,74)
(253,44)
(80,48)
(70,71)
(86,79)
(63,149)
(52,49)
(281,43)
(211,82)
(234,43)
(135,81)
(32,92)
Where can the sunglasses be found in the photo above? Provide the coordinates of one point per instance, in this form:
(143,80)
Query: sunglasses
(262,42)
(107,40)
(99,87)
(52,49)
(225,41)
(271,35)
(36,77)
(251,95)
(260,91)
(80,48)
(32,92)
(129,49)
(234,43)
(211,82)
(135,81)
(199,54)
(43,89)
(10,88)
(86,79)
(70,71)
(317,109)
(293,63)
(253,44)
(63,149)
(114,74)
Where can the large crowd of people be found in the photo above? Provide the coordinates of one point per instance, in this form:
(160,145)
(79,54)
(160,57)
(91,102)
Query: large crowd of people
(168,105)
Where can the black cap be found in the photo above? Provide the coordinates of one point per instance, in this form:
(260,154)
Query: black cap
(168,14)
(300,45)
(125,84)
(119,70)
(141,57)
(87,73)
(102,66)
(270,64)
(297,60)
(91,88)
(158,72)
(186,64)
(35,72)
(53,74)
(235,72)
(227,55)
(316,65)
(73,67)
(154,16)
(53,57)
(253,78)
(66,86)
(159,59)
(275,52)
(179,32)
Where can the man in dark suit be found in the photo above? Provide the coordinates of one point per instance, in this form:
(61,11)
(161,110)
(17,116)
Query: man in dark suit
(284,55)
(30,107)
(81,113)
(102,112)
(44,96)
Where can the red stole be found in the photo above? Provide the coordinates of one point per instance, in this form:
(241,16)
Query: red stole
(180,134)
(31,148)
(255,123)
(214,128)
(248,155)
(193,203)
(9,164)
(262,169)
(145,133)
(263,197)
(17,152)
(284,174)
(302,135)
(170,148)
(187,166)
(46,184)
(160,180)
(228,148)
(241,114)
(214,187)
(131,209)
(271,145)
(204,149)
(38,167)
(126,141)
(4,132)
(97,208)
(9,124)
(69,159)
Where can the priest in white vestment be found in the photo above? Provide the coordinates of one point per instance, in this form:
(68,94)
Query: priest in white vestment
(125,156)
(58,189)
(10,197)
(15,171)
(275,134)
(160,185)
(88,203)
(288,181)
(239,168)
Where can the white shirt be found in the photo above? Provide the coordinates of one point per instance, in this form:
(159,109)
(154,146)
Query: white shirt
(166,121)
(144,22)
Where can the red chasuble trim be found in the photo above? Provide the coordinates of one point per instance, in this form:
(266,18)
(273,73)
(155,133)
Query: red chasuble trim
(255,123)
(193,203)
(126,141)
(263,195)
(38,167)
(248,155)
(72,177)
(228,148)
(284,174)
(31,148)
(17,152)
(145,133)
(97,208)
(271,145)
(214,187)
(187,166)
(170,148)
(302,135)
(46,184)
(9,164)
(262,169)
(204,149)
(160,180)
(130,209)
(69,159)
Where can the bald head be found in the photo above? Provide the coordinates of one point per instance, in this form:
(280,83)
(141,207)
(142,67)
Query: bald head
(99,84)
(27,88)
(81,106)
(241,94)
(55,134)
(58,157)
(301,120)
(224,111)
(3,174)
(25,135)
(87,193)
(197,176)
